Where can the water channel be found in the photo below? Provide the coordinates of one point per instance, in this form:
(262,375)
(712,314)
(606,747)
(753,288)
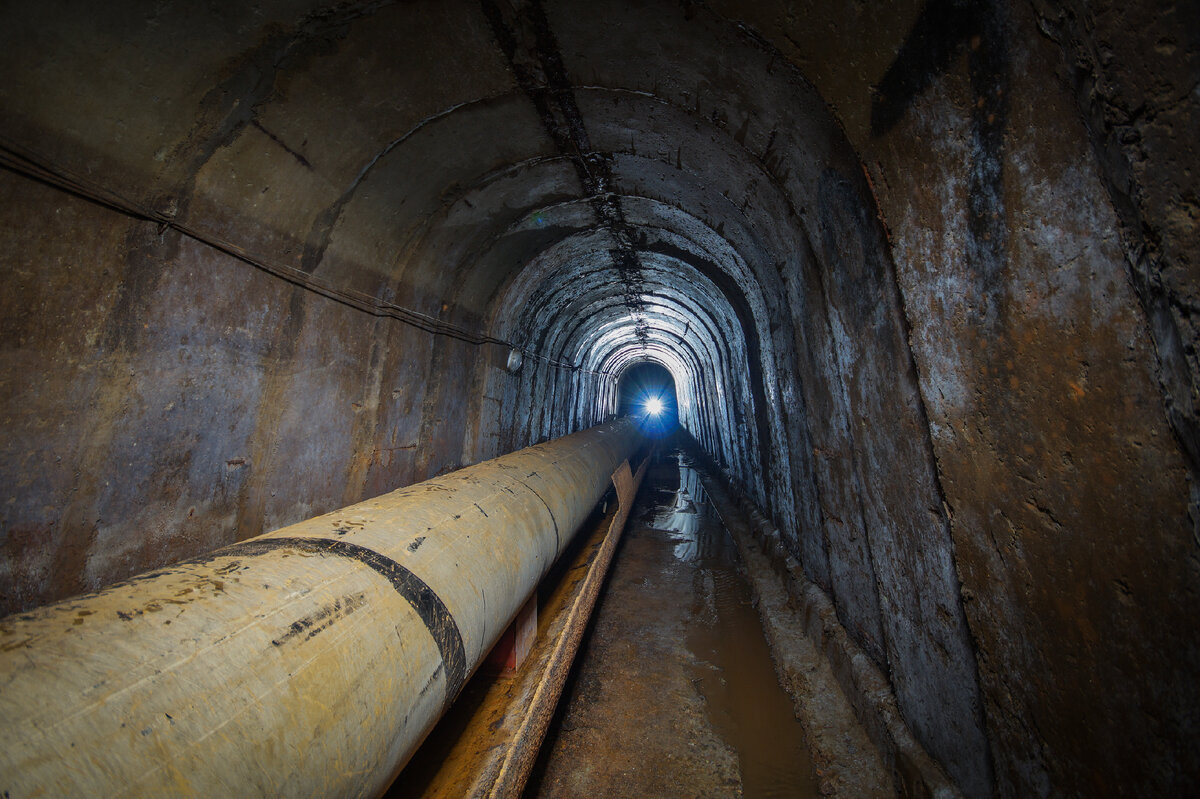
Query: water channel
(674,692)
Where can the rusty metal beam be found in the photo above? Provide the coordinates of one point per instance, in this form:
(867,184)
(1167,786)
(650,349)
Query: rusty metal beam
(308,661)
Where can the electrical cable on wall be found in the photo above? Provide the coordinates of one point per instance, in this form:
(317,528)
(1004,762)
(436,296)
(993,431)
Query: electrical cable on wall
(23,162)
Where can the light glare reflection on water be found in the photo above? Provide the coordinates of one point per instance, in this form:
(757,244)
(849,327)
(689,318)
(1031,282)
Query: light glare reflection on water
(735,673)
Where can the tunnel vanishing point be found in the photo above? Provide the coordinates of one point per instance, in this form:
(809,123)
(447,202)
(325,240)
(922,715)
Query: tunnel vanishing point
(926,276)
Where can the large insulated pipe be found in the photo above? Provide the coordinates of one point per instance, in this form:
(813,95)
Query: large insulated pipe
(310,661)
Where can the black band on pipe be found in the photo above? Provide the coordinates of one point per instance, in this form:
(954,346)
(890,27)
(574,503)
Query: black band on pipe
(425,602)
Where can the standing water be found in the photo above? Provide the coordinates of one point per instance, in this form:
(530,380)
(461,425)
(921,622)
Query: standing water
(675,693)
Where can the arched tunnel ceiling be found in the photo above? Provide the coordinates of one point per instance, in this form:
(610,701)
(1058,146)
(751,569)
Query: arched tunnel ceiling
(586,198)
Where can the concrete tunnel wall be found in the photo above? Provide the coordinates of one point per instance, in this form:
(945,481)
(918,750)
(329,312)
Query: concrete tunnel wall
(925,274)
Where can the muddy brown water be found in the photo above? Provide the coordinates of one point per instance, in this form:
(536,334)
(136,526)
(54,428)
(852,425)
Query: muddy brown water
(674,693)
(747,705)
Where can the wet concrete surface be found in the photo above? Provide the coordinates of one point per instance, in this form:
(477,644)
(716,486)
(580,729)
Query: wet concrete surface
(674,692)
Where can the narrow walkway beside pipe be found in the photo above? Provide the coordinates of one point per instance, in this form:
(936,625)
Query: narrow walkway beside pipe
(308,661)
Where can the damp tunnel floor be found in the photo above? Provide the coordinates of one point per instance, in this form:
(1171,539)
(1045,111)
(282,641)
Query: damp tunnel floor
(674,692)
(693,678)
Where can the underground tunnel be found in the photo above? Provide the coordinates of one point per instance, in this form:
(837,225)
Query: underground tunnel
(917,283)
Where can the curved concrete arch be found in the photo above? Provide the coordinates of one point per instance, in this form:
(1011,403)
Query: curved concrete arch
(921,274)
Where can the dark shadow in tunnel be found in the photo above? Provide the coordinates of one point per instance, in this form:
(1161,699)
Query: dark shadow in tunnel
(647,393)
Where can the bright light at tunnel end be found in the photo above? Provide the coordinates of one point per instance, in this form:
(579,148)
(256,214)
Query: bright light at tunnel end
(646,393)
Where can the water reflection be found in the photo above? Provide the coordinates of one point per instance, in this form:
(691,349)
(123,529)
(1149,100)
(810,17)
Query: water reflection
(733,668)
(680,512)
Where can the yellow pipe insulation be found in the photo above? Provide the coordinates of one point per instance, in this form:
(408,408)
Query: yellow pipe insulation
(310,661)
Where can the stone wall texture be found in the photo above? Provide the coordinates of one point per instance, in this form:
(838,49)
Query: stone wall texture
(924,273)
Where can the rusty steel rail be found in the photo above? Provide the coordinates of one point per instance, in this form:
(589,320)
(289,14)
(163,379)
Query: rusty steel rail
(309,661)
(535,716)
(487,748)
